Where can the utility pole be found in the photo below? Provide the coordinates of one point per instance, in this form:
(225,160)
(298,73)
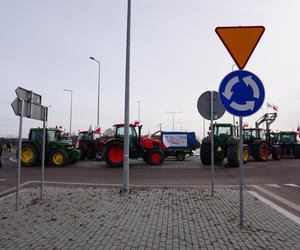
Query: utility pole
(173,114)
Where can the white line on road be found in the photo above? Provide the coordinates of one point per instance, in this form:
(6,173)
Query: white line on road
(276,207)
(272,185)
(277,197)
(291,185)
(3,179)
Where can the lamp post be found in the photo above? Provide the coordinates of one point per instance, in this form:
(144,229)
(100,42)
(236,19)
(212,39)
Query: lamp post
(173,113)
(139,111)
(71,91)
(92,58)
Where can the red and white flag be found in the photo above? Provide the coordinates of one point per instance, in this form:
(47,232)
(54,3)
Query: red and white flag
(298,130)
(275,108)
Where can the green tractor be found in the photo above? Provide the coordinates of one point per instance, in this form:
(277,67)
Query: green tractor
(288,143)
(226,145)
(58,151)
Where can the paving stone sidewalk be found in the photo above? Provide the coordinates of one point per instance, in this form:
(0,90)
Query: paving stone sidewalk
(101,218)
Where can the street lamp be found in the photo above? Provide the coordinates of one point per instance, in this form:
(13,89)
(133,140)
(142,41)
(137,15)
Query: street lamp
(139,111)
(92,58)
(71,91)
(173,113)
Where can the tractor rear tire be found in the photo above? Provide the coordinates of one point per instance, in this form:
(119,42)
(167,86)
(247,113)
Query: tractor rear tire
(58,158)
(29,155)
(205,154)
(113,154)
(297,151)
(276,153)
(233,155)
(261,152)
(155,156)
(180,156)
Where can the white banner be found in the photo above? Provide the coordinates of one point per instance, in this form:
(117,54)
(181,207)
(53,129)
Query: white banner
(175,140)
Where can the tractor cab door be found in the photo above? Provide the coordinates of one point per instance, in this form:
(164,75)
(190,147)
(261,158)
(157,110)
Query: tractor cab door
(133,138)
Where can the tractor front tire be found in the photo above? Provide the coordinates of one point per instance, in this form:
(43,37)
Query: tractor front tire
(297,151)
(205,154)
(155,156)
(113,154)
(29,155)
(58,158)
(233,155)
(99,154)
(276,153)
(261,152)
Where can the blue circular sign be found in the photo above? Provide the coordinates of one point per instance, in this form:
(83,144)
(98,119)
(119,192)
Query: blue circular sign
(241,93)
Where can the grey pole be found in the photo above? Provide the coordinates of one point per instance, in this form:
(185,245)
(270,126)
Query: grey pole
(203,127)
(127,96)
(43,151)
(173,114)
(98,106)
(71,91)
(241,173)
(212,141)
(139,111)
(19,157)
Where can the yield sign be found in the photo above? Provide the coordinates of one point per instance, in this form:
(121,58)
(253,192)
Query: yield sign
(240,41)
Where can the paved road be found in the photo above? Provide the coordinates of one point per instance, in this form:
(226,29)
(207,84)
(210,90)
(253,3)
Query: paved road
(276,180)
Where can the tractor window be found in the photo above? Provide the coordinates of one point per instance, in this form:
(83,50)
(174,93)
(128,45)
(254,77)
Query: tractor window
(220,130)
(248,134)
(120,131)
(286,138)
(262,135)
(52,135)
(36,135)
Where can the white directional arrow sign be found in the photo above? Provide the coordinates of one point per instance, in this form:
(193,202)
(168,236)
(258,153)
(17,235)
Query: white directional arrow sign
(228,90)
(249,81)
(243,107)
(28,95)
(30,110)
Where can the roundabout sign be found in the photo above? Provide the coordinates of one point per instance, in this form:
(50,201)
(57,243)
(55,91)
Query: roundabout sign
(241,93)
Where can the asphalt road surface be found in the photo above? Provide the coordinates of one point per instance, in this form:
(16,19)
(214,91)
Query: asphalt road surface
(278,181)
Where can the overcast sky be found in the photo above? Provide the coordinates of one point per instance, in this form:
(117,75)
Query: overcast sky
(175,56)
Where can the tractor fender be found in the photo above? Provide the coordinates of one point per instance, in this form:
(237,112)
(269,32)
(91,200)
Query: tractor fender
(206,140)
(112,140)
(36,145)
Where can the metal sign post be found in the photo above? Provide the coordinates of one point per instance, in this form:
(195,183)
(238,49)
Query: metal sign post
(212,142)
(211,109)
(19,156)
(28,104)
(241,172)
(125,187)
(43,151)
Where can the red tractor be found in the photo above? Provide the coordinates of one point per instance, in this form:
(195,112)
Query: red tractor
(147,148)
(89,145)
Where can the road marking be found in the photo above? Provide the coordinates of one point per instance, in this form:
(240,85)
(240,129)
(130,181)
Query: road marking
(3,179)
(277,197)
(291,185)
(272,185)
(276,207)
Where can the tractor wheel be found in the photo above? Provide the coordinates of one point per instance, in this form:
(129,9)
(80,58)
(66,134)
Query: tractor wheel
(276,153)
(113,154)
(58,158)
(99,154)
(83,153)
(29,155)
(261,152)
(233,155)
(297,151)
(205,154)
(155,156)
(180,156)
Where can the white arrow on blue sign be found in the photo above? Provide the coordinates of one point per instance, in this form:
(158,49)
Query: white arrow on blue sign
(241,93)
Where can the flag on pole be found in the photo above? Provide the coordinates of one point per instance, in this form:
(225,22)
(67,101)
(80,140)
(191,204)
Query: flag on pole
(298,130)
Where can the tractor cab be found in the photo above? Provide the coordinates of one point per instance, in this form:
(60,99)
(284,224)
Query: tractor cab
(251,135)
(224,132)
